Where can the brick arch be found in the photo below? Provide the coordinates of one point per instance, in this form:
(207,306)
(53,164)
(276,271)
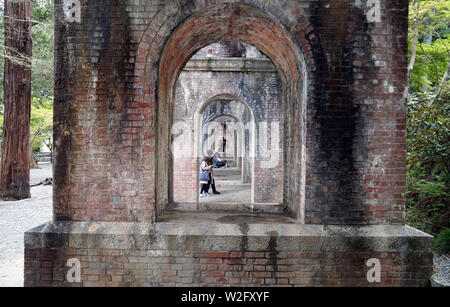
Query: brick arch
(238,125)
(289,16)
(211,100)
(232,116)
(187,171)
(199,112)
(199,24)
(223,96)
(244,159)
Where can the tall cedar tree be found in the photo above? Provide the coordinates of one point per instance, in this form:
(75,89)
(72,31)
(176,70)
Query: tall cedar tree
(15,168)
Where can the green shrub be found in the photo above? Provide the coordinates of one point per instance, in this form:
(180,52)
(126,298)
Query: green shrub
(428,178)
(442,242)
(427,203)
(429,133)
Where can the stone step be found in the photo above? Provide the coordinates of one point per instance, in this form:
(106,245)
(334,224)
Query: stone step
(237,183)
(224,207)
(231,171)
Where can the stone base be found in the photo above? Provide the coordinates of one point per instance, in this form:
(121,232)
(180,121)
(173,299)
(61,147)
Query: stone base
(225,250)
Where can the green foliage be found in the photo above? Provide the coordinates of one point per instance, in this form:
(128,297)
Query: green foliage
(442,242)
(432,16)
(428,194)
(43,49)
(429,133)
(42,60)
(432,20)
(431,64)
(41,122)
(428,203)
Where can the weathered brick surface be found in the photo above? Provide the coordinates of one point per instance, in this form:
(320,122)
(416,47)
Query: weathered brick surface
(279,260)
(115,268)
(360,129)
(344,159)
(343,81)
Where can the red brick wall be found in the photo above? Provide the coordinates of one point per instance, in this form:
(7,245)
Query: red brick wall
(185,182)
(357,136)
(113,267)
(115,71)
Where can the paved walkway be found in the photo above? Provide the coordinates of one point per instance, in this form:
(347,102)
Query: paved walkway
(239,194)
(229,184)
(18,217)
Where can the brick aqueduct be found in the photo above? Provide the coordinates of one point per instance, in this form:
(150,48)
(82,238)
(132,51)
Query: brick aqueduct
(331,73)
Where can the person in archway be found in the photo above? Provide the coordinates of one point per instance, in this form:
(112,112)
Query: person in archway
(224,144)
(218,162)
(205,175)
(211,182)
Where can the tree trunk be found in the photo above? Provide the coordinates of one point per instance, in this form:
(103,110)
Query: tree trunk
(15,171)
(33,162)
(414,43)
(445,76)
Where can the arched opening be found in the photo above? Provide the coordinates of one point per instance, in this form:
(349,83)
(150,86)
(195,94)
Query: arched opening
(236,22)
(238,127)
(244,127)
(221,137)
(227,129)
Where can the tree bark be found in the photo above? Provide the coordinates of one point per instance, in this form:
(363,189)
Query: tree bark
(414,43)
(445,76)
(15,170)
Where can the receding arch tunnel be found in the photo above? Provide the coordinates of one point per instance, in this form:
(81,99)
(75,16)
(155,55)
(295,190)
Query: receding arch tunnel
(236,22)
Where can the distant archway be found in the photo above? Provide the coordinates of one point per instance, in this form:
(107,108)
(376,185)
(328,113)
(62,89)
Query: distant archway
(250,25)
(250,126)
(240,134)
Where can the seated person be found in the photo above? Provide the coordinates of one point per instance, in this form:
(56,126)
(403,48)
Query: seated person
(217,162)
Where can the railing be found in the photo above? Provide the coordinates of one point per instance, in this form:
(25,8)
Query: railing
(43,157)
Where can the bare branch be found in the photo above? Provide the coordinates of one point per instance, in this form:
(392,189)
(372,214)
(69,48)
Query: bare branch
(445,77)
(432,61)
(414,43)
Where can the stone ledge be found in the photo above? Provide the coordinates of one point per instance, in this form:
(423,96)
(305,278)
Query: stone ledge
(222,236)
(234,207)
(230,65)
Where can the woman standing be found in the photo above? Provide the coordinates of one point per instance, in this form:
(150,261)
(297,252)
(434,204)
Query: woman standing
(205,175)
(212,182)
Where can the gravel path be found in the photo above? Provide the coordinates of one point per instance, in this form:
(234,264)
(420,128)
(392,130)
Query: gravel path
(442,269)
(44,171)
(18,217)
